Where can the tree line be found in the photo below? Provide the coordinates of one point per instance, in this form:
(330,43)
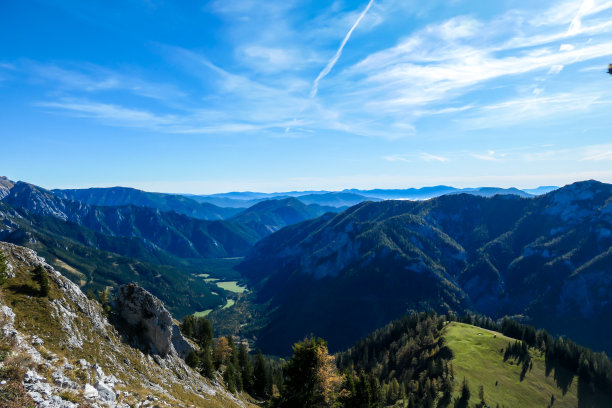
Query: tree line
(406,362)
(257,375)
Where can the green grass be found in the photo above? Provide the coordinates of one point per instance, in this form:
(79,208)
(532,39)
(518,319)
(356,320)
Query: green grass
(230,303)
(478,356)
(232,287)
(203,313)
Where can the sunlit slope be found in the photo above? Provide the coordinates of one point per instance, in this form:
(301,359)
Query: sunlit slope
(479,357)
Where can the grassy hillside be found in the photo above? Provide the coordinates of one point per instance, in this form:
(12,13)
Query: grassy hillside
(479,357)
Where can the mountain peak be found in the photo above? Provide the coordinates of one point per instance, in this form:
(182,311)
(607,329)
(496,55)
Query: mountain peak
(5,186)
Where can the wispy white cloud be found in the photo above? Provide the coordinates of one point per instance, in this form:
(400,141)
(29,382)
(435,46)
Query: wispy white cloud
(184,123)
(597,153)
(517,111)
(432,157)
(114,114)
(94,78)
(397,158)
(332,62)
(491,155)
(588,153)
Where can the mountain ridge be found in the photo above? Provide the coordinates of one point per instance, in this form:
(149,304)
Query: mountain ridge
(476,253)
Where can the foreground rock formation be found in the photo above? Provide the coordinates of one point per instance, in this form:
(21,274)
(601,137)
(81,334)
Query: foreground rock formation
(143,311)
(60,351)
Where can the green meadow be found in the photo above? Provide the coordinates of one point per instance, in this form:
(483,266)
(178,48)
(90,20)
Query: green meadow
(479,357)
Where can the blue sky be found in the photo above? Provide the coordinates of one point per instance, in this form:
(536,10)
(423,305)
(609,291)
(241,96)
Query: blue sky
(202,97)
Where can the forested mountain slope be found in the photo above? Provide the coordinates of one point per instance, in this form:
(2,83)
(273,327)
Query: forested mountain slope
(546,258)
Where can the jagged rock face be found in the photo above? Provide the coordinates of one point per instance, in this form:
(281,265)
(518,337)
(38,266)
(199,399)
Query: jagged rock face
(5,187)
(141,309)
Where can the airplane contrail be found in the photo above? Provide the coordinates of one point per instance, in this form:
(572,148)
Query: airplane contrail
(332,62)
(576,24)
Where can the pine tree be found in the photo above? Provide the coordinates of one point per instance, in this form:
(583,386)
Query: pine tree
(203,332)
(104,299)
(3,268)
(229,377)
(208,369)
(311,377)
(246,368)
(261,377)
(188,325)
(192,359)
(465,391)
(40,276)
(481,395)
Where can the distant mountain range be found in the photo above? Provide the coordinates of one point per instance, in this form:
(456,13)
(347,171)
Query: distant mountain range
(354,196)
(546,258)
(121,196)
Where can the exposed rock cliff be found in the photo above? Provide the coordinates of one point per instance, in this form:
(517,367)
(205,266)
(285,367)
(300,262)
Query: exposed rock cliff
(62,352)
(144,311)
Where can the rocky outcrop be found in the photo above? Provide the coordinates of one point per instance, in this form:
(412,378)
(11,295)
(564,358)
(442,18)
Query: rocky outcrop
(73,357)
(5,187)
(148,315)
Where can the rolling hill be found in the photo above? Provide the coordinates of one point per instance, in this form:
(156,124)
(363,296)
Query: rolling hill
(477,358)
(423,360)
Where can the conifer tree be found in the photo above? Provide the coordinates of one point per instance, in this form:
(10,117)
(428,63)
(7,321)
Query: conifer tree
(40,276)
(3,268)
(261,377)
(104,299)
(208,369)
(192,359)
(229,377)
(246,368)
(481,395)
(311,377)
(465,391)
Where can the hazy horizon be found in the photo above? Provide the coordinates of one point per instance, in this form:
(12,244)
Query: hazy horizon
(171,190)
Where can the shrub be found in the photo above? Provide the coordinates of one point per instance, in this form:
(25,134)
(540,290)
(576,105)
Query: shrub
(15,367)
(14,395)
(70,396)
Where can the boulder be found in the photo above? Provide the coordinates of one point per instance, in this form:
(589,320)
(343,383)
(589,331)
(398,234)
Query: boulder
(105,392)
(90,392)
